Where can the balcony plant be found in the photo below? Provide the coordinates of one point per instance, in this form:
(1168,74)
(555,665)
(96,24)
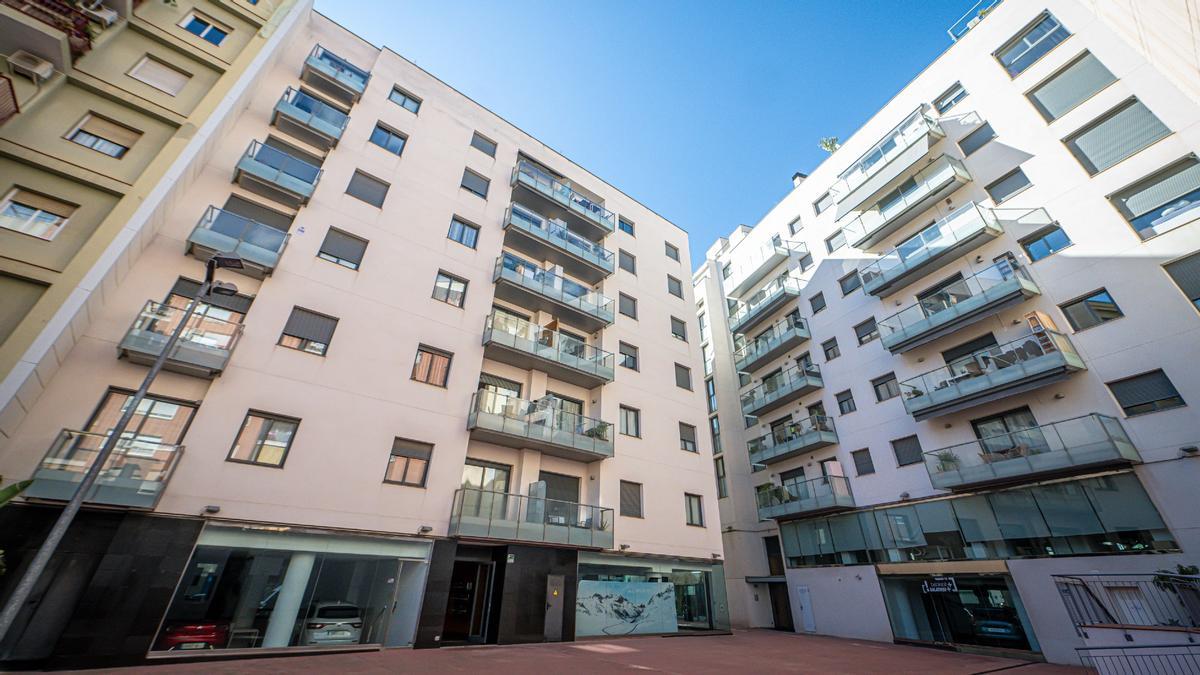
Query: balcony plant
(947,461)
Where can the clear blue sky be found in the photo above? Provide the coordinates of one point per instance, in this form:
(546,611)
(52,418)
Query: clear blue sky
(701,110)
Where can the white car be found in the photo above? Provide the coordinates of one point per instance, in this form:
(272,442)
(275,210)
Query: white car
(333,623)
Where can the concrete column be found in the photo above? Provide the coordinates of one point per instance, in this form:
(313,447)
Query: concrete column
(287,604)
(255,588)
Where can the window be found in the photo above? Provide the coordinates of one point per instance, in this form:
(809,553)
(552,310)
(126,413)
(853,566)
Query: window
(823,202)
(687,438)
(672,251)
(1146,393)
(1185,272)
(976,139)
(450,289)
(409,463)
(406,100)
(475,184)
(264,439)
(950,97)
(392,141)
(342,248)
(627,261)
(631,499)
(710,390)
(850,283)
(695,509)
(795,226)
(863,464)
(674,286)
(722,483)
(432,366)
(370,190)
(1031,44)
(104,135)
(205,28)
(631,421)
(726,270)
(1007,185)
(885,387)
(1119,133)
(679,328)
(714,430)
(706,358)
(805,262)
(1045,242)
(1165,200)
(683,377)
(835,241)
(629,355)
(845,401)
(1073,84)
(625,226)
(817,302)
(159,75)
(627,305)
(908,450)
(830,347)
(866,331)
(484,145)
(463,232)
(34,214)
(1096,308)
(308,331)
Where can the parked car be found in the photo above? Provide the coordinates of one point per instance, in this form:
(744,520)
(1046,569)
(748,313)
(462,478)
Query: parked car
(332,623)
(195,635)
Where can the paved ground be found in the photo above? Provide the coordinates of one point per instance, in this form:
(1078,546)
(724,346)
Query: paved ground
(744,653)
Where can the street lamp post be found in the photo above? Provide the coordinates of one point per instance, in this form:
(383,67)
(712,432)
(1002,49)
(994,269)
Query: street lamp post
(33,572)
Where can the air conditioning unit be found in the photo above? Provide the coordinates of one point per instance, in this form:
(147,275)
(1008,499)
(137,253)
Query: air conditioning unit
(33,67)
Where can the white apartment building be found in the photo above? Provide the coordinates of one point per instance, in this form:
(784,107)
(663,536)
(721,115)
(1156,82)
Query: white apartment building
(951,376)
(456,399)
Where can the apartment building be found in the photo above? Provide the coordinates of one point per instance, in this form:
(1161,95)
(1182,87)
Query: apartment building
(950,376)
(456,397)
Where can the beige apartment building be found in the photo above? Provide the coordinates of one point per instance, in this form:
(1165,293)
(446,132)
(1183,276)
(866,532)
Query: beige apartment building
(456,398)
(951,376)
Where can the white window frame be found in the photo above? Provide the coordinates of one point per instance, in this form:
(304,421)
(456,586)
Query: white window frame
(9,200)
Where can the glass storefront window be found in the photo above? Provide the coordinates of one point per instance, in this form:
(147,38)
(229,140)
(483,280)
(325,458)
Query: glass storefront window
(623,597)
(976,610)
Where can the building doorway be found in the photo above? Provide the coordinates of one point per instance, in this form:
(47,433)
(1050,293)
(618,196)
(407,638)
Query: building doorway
(469,602)
(966,611)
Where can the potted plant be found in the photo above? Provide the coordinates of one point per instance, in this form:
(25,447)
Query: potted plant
(947,461)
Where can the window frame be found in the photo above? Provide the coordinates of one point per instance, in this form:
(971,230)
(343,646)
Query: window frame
(387,187)
(449,291)
(341,262)
(671,250)
(884,380)
(273,417)
(407,96)
(825,349)
(626,413)
(937,102)
(840,235)
(624,256)
(688,500)
(641,502)
(687,371)
(423,348)
(476,136)
(12,197)
(1194,302)
(632,300)
(1091,169)
(1038,235)
(988,188)
(150,58)
(625,225)
(213,24)
(683,441)
(624,357)
(1138,185)
(1081,300)
(407,461)
(849,398)
(920,455)
(1020,36)
(1029,93)
(871,335)
(304,342)
(678,283)
(72,135)
(1157,408)
(680,322)
(971,134)
(824,305)
(392,133)
(857,285)
(855,454)
(468,171)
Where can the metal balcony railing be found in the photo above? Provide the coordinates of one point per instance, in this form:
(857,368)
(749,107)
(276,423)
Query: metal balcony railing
(792,439)
(528,174)
(484,514)
(313,113)
(203,348)
(134,475)
(765,297)
(790,331)
(336,68)
(943,236)
(1161,600)
(227,232)
(913,128)
(550,345)
(539,422)
(782,387)
(824,493)
(530,276)
(561,237)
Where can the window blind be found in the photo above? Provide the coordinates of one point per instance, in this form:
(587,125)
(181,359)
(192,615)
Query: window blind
(368,189)
(1120,133)
(310,326)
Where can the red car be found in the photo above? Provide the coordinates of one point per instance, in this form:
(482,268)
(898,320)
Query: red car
(195,635)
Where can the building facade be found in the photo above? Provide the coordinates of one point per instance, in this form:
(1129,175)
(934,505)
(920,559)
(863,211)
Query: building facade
(949,376)
(455,399)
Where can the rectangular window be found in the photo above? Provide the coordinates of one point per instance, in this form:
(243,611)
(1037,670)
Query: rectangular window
(432,366)
(463,232)
(672,251)
(450,289)
(409,463)
(629,355)
(722,483)
(627,305)
(1073,84)
(726,270)
(679,329)
(1119,133)
(714,430)
(342,248)
(159,75)
(845,401)
(908,450)
(631,499)
(405,100)
(370,190)
(835,241)
(850,283)
(683,377)
(308,331)
(1045,242)
(1031,44)
(866,331)
(1007,185)
(392,141)
(687,438)
(674,286)
(976,139)
(625,226)
(205,28)
(1185,272)
(627,261)
(475,184)
(817,302)
(950,97)
(264,439)
(631,421)
(34,214)
(1146,393)
(830,347)
(885,387)
(483,144)
(710,390)
(863,464)
(695,509)
(104,135)
(823,202)
(1096,308)
(1167,199)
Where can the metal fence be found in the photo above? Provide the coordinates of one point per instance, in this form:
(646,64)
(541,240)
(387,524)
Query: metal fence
(1131,600)
(1145,660)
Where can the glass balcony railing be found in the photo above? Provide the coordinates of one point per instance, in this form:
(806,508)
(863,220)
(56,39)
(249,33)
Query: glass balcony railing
(792,439)
(280,169)
(318,116)
(916,127)
(953,306)
(203,348)
(560,290)
(258,245)
(498,515)
(540,425)
(754,265)
(771,343)
(905,202)
(816,495)
(782,388)
(549,346)
(338,71)
(758,306)
(1059,448)
(919,254)
(134,475)
(534,178)
(991,373)
(560,237)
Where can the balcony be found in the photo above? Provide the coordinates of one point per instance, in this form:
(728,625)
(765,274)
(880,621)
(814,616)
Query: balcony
(538,425)
(1063,448)
(771,344)
(931,249)
(546,239)
(559,200)
(134,475)
(259,245)
(764,303)
(908,200)
(957,306)
(881,167)
(482,514)
(1036,360)
(826,494)
(524,283)
(203,349)
(52,27)
(529,346)
(754,266)
(791,440)
(335,76)
(781,389)
(274,174)
(309,119)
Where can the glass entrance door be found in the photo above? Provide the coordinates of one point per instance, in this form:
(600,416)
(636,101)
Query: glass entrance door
(972,611)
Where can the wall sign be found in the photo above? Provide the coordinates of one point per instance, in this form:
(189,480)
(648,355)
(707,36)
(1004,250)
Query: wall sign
(939,585)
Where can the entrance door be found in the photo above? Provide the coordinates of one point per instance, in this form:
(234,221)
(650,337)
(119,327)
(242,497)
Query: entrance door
(468,602)
(803,605)
(555,590)
(781,607)
(977,610)
(562,497)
